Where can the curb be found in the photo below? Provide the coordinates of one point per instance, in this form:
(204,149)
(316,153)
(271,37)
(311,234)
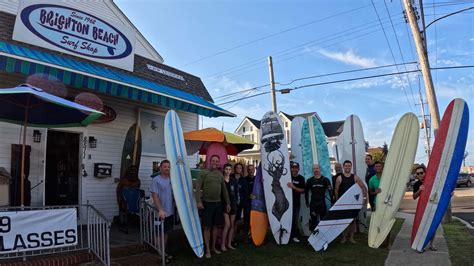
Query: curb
(464,222)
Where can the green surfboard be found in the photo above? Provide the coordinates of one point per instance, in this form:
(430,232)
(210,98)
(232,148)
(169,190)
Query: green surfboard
(128,149)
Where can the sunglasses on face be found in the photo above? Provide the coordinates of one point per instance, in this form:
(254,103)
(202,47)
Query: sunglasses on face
(420,173)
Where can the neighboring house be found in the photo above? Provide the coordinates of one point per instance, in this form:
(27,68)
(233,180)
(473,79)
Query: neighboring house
(249,128)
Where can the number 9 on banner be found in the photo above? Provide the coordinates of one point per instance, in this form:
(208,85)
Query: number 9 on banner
(5,224)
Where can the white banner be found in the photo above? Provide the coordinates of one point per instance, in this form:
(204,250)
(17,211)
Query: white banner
(39,229)
(60,26)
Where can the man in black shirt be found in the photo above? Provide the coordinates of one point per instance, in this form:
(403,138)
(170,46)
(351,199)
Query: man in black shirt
(338,170)
(418,188)
(297,185)
(246,198)
(318,185)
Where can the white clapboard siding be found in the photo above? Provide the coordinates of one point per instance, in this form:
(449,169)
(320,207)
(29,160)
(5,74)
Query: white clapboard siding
(104,9)
(99,192)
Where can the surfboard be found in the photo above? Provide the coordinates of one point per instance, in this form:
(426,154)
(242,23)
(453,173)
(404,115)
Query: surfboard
(341,214)
(181,182)
(442,173)
(276,175)
(258,212)
(353,149)
(128,150)
(396,172)
(315,151)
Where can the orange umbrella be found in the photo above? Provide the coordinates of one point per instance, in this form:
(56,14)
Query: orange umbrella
(199,140)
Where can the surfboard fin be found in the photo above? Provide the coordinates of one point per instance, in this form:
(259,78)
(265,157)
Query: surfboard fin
(325,246)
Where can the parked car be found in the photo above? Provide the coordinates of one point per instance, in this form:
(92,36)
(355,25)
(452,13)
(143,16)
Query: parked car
(463,180)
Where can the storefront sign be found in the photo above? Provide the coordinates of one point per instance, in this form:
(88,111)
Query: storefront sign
(66,29)
(39,229)
(164,72)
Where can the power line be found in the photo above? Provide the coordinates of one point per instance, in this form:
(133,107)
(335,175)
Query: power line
(272,35)
(344,72)
(233,93)
(391,52)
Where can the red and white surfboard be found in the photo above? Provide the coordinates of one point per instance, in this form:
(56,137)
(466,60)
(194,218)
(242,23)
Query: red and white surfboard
(441,174)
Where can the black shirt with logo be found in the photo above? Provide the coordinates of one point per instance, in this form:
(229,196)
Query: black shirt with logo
(298,182)
(318,188)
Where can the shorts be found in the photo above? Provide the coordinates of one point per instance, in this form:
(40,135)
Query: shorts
(167,223)
(212,214)
(232,209)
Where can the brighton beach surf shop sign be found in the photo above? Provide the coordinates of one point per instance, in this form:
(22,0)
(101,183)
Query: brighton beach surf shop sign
(69,30)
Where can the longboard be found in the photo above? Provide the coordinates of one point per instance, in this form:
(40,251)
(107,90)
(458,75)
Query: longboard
(441,174)
(297,156)
(128,150)
(341,214)
(353,149)
(181,182)
(396,173)
(258,212)
(315,151)
(276,175)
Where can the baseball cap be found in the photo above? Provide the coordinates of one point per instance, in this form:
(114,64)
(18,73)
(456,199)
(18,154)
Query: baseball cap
(294,164)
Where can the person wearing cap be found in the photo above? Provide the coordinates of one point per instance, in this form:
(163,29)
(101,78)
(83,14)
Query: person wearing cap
(297,185)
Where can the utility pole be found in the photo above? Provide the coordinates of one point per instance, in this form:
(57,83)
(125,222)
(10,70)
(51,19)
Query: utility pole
(425,65)
(426,127)
(272,84)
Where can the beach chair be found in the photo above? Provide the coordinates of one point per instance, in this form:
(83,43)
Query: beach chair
(131,196)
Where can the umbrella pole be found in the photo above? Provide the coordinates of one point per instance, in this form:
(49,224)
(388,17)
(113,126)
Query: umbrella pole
(23,148)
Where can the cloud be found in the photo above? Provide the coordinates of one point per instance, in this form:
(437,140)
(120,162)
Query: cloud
(349,58)
(224,85)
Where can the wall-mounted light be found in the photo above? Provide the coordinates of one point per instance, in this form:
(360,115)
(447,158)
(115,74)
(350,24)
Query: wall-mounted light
(36,136)
(92,142)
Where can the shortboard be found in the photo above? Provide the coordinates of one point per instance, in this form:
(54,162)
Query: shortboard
(181,182)
(396,172)
(133,138)
(315,151)
(338,218)
(441,174)
(353,149)
(258,212)
(276,175)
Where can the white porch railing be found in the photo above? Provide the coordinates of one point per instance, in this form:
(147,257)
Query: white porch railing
(152,229)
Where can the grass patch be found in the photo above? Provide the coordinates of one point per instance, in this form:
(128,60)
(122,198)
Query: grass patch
(460,243)
(295,253)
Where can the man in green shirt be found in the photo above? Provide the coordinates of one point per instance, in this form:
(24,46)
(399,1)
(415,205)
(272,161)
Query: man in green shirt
(210,190)
(374,183)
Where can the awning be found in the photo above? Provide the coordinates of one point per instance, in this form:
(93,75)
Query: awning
(19,59)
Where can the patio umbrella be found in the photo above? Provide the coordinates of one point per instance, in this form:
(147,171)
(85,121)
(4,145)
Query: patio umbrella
(199,140)
(30,106)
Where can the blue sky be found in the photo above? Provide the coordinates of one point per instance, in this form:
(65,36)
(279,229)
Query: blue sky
(314,38)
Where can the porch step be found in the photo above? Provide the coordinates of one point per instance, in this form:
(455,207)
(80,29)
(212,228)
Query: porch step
(71,258)
(144,258)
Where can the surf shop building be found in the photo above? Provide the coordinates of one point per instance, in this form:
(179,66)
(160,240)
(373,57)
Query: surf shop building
(88,51)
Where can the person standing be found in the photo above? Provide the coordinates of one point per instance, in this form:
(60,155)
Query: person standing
(368,175)
(211,183)
(238,176)
(374,184)
(343,183)
(338,170)
(418,188)
(297,185)
(246,198)
(162,195)
(317,185)
(229,217)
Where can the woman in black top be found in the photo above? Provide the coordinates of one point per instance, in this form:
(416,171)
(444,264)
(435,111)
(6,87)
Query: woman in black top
(229,218)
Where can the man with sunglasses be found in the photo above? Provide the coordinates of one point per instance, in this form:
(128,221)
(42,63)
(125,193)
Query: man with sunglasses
(418,188)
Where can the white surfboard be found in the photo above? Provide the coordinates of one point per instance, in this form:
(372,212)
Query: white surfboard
(276,175)
(396,172)
(341,214)
(181,182)
(353,149)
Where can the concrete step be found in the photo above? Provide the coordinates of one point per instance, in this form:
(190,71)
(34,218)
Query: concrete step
(66,259)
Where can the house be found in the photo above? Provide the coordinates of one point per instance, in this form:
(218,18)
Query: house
(249,128)
(90,50)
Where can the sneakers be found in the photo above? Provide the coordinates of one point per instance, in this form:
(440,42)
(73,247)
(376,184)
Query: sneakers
(296,240)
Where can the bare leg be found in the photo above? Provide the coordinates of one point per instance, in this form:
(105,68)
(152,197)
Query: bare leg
(207,236)
(352,231)
(215,232)
(432,247)
(231,232)
(225,232)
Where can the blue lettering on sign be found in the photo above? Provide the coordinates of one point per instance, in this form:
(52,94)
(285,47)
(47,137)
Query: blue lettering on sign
(76,31)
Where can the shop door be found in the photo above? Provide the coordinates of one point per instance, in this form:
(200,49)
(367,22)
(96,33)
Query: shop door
(62,168)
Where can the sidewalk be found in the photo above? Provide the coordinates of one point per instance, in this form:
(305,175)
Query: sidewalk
(402,254)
